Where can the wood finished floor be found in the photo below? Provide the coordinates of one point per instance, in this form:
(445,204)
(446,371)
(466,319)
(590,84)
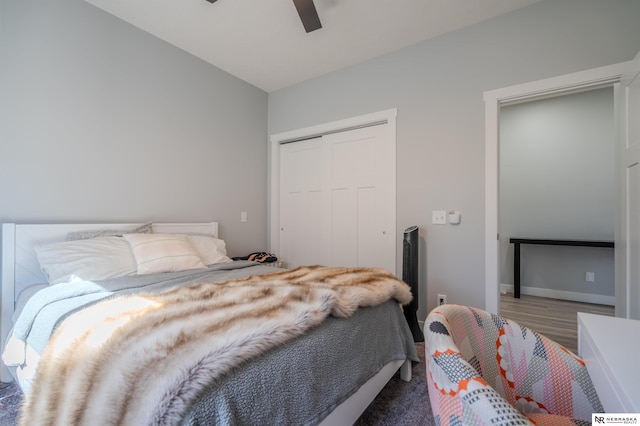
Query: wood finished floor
(553,318)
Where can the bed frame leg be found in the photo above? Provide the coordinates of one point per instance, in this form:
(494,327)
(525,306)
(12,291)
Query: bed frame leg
(405,371)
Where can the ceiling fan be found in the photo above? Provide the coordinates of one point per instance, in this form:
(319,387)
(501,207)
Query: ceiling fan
(308,14)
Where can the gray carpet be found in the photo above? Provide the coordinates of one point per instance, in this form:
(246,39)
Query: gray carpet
(10,399)
(399,403)
(402,403)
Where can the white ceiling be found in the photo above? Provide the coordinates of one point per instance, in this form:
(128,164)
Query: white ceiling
(264,43)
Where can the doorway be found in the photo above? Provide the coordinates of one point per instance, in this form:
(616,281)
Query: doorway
(571,83)
(558,182)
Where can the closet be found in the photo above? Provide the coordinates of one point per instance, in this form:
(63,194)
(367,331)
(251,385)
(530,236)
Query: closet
(336,198)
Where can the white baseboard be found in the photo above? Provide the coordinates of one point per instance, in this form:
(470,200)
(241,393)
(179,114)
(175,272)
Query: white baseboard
(598,299)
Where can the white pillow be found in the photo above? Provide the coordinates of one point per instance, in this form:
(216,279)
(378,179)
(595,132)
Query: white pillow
(156,253)
(92,259)
(212,250)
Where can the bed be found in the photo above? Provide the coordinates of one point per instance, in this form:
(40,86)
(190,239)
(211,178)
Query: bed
(287,383)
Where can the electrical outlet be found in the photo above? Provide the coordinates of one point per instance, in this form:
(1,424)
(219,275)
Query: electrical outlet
(442,299)
(590,277)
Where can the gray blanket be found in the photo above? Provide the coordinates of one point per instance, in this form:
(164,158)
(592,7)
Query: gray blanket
(47,308)
(302,382)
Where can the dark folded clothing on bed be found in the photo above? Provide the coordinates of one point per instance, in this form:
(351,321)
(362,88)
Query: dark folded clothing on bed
(260,257)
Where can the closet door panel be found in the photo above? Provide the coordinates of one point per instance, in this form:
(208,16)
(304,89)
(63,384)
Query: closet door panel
(352,177)
(303,204)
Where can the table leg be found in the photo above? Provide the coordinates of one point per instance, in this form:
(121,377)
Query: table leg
(516,270)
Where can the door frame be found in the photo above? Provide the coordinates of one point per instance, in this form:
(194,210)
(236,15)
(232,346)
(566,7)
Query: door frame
(387,116)
(494,99)
(627,305)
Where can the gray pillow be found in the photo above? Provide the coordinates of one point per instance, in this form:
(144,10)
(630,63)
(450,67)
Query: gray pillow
(85,235)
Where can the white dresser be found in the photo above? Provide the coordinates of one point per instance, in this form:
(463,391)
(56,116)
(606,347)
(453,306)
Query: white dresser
(610,347)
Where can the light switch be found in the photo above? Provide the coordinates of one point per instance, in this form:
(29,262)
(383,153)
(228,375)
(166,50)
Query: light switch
(439,217)
(243,216)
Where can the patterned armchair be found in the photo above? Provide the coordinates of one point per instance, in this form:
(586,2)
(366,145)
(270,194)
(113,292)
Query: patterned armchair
(483,369)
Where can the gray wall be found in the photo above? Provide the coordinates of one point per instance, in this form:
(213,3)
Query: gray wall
(558,181)
(100,121)
(437,86)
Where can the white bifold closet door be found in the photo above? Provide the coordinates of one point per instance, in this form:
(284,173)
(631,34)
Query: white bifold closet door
(337,199)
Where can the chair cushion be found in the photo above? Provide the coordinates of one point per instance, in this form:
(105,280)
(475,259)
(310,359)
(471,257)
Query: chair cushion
(482,366)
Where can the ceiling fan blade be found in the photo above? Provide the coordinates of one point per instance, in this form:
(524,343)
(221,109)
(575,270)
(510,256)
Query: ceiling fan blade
(308,15)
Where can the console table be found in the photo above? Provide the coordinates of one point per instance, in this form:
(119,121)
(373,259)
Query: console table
(609,347)
(516,254)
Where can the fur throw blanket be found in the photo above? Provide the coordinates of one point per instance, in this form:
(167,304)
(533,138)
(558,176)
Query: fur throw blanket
(142,359)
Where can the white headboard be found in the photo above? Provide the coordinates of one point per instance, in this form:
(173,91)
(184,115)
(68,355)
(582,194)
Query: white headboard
(20,267)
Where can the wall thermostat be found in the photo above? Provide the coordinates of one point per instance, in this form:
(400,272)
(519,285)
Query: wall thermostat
(454,217)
